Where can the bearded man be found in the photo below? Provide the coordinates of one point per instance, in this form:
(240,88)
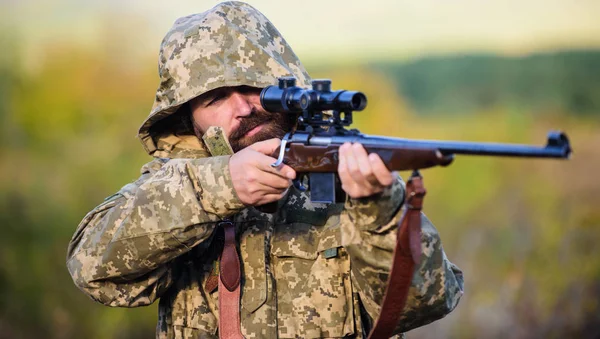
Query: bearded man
(307,270)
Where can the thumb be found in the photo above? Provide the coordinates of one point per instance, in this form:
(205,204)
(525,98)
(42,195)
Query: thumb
(267,147)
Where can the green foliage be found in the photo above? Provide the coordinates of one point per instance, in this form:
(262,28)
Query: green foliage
(68,141)
(541,83)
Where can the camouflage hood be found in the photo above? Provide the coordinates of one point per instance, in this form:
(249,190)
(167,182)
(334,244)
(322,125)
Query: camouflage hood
(231,44)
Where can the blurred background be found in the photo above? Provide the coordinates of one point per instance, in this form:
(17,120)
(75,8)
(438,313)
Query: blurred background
(78,77)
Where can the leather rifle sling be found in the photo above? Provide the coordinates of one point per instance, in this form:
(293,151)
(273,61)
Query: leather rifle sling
(229,263)
(229,287)
(407,256)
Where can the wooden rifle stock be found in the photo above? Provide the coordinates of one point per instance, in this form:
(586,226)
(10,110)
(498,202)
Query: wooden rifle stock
(310,154)
(307,158)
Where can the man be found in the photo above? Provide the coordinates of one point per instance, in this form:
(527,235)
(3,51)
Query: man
(307,270)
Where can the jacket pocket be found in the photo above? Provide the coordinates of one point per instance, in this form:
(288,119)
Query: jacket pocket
(186,307)
(252,250)
(314,292)
(182,332)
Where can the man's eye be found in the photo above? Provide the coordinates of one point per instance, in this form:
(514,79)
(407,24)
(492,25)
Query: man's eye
(216,98)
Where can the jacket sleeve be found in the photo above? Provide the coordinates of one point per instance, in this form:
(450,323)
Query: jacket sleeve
(369,228)
(119,253)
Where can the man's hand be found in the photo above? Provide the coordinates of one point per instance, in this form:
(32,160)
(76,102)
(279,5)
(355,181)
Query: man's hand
(254,180)
(362,174)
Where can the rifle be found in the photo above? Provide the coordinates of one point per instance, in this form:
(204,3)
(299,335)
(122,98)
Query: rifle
(312,148)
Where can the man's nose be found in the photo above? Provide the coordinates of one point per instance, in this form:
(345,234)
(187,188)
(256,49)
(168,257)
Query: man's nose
(241,105)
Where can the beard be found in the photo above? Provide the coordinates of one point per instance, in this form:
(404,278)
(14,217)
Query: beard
(275,125)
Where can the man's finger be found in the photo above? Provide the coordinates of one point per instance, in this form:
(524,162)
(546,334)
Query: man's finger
(354,168)
(384,176)
(270,183)
(267,147)
(263,162)
(282,170)
(362,159)
(348,183)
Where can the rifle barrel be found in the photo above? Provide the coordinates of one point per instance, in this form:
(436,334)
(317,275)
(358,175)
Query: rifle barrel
(557,145)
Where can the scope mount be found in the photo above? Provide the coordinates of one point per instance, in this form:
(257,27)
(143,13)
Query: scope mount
(311,105)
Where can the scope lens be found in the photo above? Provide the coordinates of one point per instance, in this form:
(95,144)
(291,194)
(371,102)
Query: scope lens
(359,101)
(355,101)
(270,99)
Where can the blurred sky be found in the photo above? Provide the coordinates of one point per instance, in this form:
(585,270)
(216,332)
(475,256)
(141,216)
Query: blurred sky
(328,29)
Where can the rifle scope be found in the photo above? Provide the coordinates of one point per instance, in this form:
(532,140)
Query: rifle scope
(287,98)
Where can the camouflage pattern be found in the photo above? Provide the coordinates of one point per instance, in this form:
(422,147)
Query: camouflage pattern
(231,44)
(309,270)
(216,141)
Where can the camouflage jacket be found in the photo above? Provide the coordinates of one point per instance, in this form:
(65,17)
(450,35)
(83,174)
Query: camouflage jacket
(309,270)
